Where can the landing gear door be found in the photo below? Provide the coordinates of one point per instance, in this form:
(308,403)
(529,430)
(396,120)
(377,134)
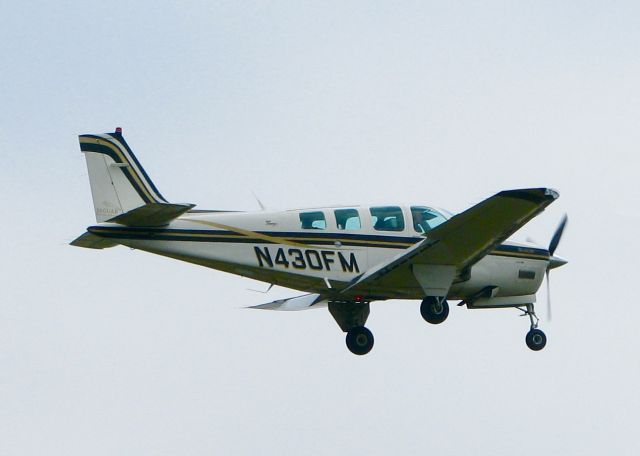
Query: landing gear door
(434,279)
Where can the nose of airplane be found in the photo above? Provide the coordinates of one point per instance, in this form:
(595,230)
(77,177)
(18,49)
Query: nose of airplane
(556,261)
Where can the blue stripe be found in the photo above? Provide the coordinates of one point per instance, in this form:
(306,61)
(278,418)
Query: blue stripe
(102,149)
(219,236)
(119,137)
(356,240)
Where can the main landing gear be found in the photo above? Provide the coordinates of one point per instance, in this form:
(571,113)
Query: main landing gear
(351,317)
(535,339)
(434,309)
(359,340)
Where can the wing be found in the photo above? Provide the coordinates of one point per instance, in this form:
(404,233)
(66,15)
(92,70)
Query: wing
(454,246)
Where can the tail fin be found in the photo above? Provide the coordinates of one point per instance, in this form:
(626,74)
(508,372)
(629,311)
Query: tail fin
(119,183)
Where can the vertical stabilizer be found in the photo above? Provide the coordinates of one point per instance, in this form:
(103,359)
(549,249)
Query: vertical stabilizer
(119,184)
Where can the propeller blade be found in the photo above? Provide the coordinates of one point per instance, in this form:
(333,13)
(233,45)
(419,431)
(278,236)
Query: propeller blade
(555,240)
(548,297)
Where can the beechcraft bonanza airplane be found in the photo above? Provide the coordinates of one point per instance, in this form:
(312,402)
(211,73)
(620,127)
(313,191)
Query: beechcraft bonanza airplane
(344,258)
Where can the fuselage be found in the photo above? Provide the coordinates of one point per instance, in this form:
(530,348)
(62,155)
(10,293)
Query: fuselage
(321,250)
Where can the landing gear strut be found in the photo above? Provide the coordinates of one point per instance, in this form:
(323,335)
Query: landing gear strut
(434,309)
(535,339)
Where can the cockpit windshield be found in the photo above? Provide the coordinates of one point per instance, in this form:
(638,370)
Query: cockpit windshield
(425,218)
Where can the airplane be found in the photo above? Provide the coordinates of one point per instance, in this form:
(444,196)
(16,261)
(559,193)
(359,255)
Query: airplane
(342,258)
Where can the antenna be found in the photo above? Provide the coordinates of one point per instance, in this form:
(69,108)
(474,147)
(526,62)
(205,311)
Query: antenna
(262,208)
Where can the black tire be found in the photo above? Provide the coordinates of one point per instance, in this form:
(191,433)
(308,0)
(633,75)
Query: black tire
(536,340)
(359,340)
(434,310)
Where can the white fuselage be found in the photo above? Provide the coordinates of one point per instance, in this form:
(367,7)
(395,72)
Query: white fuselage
(276,247)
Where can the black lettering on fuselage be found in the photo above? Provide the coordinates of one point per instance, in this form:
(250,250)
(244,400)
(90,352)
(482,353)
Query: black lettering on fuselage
(313,259)
(263,255)
(327,258)
(351,265)
(281,258)
(298,259)
(316,260)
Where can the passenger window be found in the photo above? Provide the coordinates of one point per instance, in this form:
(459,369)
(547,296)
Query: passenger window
(387,218)
(312,221)
(425,219)
(347,219)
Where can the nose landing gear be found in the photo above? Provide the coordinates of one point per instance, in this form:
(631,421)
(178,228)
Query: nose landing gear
(535,339)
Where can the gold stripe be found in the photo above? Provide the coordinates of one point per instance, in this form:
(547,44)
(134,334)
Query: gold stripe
(250,234)
(118,151)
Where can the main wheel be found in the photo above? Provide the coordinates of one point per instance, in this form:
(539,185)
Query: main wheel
(434,310)
(536,339)
(359,340)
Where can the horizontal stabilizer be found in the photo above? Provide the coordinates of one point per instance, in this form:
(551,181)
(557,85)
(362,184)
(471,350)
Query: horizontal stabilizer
(91,241)
(304,302)
(155,214)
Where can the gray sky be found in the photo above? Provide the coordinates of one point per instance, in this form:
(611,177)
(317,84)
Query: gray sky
(120,352)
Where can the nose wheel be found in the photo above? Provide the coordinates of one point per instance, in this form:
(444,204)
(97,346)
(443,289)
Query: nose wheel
(535,339)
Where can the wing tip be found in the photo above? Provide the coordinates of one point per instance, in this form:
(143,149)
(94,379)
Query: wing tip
(535,195)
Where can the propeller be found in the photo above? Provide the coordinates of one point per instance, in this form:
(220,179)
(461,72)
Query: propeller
(548,296)
(555,240)
(554,262)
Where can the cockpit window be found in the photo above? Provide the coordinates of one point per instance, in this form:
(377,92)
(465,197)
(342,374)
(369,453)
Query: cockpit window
(387,218)
(347,219)
(425,219)
(313,221)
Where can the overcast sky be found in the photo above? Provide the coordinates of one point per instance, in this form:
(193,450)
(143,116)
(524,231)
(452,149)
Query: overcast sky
(315,103)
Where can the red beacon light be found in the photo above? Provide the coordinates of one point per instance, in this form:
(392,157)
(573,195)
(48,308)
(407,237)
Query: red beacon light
(119,130)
